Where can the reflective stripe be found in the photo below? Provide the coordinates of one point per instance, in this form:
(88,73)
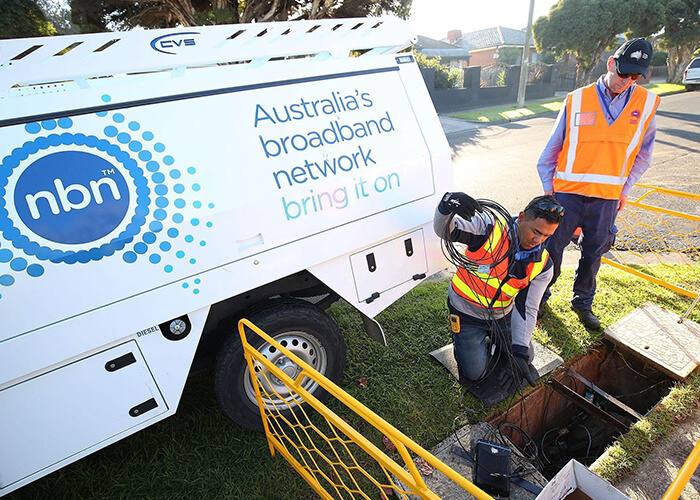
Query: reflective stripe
(649,104)
(592,178)
(596,158)
(491,284)
(576,98)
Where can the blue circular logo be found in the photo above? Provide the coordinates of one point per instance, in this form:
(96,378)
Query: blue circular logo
(71,197)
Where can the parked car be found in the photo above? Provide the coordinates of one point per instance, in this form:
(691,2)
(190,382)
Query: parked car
(691,75)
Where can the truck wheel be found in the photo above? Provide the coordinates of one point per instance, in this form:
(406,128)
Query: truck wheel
(300,327)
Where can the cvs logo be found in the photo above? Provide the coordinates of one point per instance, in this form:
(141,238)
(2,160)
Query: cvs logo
(169,44)
(71,197)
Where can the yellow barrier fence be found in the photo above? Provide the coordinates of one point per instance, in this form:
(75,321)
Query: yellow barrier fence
(658,240)
(329,453)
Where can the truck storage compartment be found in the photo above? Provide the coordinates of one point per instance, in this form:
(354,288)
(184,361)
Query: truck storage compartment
(72,408)
(390,264)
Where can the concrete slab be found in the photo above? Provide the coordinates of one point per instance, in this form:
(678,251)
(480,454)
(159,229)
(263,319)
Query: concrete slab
(455,125)
(446,489)
(545,361)
(662,464)
(653,334)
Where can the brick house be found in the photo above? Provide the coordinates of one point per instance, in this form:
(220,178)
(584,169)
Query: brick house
(484,45)
(450,55)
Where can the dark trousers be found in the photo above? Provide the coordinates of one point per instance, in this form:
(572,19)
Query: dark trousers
(596,217)
(472,343)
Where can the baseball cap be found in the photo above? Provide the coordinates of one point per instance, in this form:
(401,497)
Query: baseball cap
(634,56)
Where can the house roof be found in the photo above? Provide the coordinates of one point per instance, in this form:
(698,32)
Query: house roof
(493,37)
(436,48)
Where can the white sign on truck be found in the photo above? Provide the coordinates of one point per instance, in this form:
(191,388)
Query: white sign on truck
(157,185)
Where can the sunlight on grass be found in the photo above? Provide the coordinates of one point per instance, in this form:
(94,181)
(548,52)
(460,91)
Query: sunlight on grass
(664,88)
(508,113)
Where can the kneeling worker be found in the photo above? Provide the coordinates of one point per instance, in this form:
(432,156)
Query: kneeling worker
(496,291)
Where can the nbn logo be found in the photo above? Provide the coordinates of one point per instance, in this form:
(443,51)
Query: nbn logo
(168,44)
(71,197)
(63,192)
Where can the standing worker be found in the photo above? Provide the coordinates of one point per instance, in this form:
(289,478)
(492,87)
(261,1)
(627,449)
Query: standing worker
(600,146)
(500,279)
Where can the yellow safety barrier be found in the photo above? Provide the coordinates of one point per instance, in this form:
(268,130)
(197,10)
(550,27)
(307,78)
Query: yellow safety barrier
(653,239)
(328,452)
(691,463)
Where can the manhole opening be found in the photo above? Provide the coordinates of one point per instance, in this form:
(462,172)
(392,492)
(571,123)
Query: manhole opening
(563,429)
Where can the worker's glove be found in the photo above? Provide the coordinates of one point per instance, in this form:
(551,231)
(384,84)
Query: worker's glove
(511,378)
(459,203)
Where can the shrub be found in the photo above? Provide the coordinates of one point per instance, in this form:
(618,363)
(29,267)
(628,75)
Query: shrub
(445,78)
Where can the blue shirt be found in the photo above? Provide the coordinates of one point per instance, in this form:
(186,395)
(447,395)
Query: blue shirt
(612,107)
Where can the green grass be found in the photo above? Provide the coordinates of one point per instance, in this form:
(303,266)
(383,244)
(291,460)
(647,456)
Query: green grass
(630,450)
(198,453)
(510,113)
(665,88)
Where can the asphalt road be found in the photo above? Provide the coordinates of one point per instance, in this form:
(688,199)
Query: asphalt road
(499,161)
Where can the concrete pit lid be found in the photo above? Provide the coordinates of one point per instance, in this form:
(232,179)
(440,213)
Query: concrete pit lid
(653,334)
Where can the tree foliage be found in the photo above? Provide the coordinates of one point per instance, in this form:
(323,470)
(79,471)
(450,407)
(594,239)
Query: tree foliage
(445,78)
(23,18)
(509,55)
(586,28)
(679,21)
(101,15)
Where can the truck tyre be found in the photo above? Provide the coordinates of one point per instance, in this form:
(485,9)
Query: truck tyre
(297,325)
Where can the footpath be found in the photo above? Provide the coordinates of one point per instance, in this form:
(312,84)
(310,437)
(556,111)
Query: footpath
(496,115)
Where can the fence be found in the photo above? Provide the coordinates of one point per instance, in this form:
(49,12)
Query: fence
(660,244)
(330,454)
(485,87)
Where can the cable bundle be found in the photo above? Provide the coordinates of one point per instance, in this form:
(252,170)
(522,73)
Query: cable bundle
(499,215)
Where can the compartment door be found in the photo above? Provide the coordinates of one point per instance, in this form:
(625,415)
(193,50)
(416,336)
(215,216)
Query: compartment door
(382,267)
(49,418)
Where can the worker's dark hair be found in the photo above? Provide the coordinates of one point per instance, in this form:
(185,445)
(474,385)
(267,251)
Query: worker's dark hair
(545,207)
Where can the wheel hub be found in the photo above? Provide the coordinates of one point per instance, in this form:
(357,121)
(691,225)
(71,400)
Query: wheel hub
(274,391)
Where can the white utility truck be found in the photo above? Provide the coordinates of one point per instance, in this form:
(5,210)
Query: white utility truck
(158,185)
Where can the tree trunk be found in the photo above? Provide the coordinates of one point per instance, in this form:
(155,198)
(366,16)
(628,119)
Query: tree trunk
(586,67)
(678,59)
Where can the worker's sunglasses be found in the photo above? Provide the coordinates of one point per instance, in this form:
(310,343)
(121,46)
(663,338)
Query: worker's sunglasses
(632,76)
(550,207)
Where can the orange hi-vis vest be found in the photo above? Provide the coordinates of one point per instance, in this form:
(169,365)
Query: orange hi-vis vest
(596,158)
(480,288)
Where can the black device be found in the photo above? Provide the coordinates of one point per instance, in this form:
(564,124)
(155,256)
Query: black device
(492,468)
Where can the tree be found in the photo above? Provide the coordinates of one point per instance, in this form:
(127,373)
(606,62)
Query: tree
(101,15)
(58,14)
(587,28)
(680,22)
(23,18)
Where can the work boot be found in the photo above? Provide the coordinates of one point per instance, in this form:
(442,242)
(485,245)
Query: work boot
(588,319)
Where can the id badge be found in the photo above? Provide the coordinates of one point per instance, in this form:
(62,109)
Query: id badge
(585,119)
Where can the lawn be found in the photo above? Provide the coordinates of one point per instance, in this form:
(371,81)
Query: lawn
(510,113)
(198,453)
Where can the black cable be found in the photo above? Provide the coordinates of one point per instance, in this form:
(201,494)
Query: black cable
(516,474)
(499,215)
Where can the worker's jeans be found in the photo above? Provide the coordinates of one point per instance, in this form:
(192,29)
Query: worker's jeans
(471,345)
(596,217)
